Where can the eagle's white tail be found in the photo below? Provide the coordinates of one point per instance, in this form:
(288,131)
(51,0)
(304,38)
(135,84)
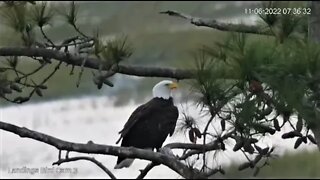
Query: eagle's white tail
(125,163)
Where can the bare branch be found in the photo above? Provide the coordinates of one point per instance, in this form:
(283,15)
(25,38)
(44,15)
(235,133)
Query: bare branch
(199,148)
(81,71)
(219,25)
(46,37)
(106,170)
(78,30)
(207,147)
(156,72)
(33,72)
(129,152)
(47,78)
(94,63)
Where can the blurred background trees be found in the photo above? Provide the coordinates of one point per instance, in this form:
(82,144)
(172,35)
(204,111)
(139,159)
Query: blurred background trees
(156,39)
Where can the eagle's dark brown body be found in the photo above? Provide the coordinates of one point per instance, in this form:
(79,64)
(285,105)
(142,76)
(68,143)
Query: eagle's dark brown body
(149,125)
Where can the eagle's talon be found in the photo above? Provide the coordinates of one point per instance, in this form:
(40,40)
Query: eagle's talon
(167,151)
(90,142)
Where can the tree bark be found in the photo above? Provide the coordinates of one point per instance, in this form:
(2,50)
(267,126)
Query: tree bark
(314,35)
(93,63)
(129,152)
(222,26)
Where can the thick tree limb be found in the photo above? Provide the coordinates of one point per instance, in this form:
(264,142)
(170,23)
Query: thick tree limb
(219,25)
(106,170)
(94,63)
(129,152)
(156,72)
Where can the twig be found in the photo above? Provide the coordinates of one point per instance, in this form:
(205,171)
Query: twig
(33,72)
(81,71)
(78,30)
(16,71)
(99,164)
(72,69)
(245,155)
(46,37)
(27,85)
(292,126)
(145,171)
(204,139)
(214,146)
(47,78)
(7,99)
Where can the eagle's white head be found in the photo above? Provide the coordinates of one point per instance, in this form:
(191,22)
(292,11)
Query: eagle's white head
(164,88)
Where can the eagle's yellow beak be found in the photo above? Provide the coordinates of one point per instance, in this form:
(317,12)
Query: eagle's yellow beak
(173,86)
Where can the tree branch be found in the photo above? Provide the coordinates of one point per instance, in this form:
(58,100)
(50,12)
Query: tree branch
(199,148)
(130,152)
(219,25)
(94,63)
(46,37)
(145,171)
(207,147)
(106,170)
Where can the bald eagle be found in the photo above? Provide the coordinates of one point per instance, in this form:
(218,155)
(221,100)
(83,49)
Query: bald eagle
(151,123)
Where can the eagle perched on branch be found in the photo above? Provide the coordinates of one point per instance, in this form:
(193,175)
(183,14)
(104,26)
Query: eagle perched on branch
(151,123)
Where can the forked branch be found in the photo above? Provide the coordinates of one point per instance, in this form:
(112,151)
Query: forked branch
(91,159)
(130,152)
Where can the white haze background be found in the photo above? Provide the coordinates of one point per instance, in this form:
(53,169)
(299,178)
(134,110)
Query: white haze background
(81,120)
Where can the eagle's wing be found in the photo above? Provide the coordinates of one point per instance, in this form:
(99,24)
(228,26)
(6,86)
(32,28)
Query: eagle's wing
(138,114)
(175,115)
